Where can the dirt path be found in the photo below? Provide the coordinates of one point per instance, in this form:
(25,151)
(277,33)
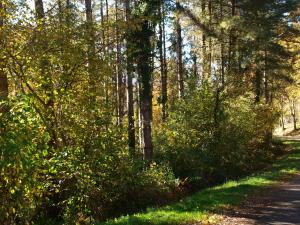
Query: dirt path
(276,206)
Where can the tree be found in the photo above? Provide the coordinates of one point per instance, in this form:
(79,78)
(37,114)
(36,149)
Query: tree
(163,63)
(39,9)
(119,75)
(129,69)
(90,36)
(3,75)
(179,54)
(144,49)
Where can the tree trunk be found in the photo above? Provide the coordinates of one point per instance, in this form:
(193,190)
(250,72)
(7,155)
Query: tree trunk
(204,48)
(145,69)
(232,39)
(39,9)
(162,59)
(3,75)
(165,80)
(90,36)
(268,136)
(179,51)
(60,11)
(120,89)
(129,65)
(222,49)
(209,54)
(257,85)
(102,55)
(68,11)
(293,112)
(266,80)
(195,67)
(282,122)
(139,120)
(281,101)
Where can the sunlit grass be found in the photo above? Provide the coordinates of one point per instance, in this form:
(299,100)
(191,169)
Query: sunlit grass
(198,207)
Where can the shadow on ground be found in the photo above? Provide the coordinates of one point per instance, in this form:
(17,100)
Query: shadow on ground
(275,205)
(280,206)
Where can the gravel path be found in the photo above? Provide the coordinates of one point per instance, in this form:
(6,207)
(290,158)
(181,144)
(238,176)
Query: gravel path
(275,206)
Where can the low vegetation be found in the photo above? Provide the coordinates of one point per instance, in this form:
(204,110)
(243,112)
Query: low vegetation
(200,206)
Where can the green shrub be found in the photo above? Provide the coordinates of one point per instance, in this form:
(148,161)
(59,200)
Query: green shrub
(183,141)
(198,142)
(103,183)
(22,162)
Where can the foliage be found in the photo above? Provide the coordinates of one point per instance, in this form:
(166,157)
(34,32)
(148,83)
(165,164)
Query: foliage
(71,184)
(67,82)
(196,145)
(23,167)
(198,207)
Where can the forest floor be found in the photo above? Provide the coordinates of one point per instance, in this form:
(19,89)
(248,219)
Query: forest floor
(271,196)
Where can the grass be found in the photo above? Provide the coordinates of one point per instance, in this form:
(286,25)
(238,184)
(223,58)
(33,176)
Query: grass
(199,206)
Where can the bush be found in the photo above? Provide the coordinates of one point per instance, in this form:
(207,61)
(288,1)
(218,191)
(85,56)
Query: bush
(102,183)
(183,141)
(115,190)
(22,162)
(71,184)
(198,142)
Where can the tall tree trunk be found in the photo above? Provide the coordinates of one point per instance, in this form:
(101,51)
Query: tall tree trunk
(282,122)
(204,47)
(293,113)
(139,120)
(209,53)
(220,87)
(68,11)
(107,29)
(39,9)
(3,75)
(162,59)
(60,11)
(145,69)
(222,66)
(222,49)
(269,133)
(129,68)
(266,84)
(102,31)
(232,40)
(120,89)
(90,36)
(179,51)
(257,85)
(195,67)
(165,80)
(104,57)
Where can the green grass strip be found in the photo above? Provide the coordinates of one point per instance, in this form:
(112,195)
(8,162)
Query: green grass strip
(198,206)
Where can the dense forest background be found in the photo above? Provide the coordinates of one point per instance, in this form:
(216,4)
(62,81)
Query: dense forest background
(111,106)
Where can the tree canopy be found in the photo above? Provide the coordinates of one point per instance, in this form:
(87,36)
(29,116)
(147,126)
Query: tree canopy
(110,106)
